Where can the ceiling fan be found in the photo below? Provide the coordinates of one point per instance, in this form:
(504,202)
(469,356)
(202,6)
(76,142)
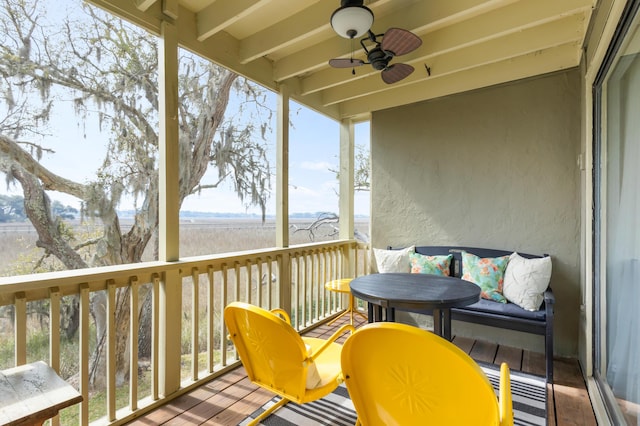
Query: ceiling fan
(352,19)
(395,42)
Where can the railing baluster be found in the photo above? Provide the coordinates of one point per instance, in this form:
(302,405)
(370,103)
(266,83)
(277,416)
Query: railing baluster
(134,326)
(111,350)
(308,288)
(54,337)
(155,327)
(259,281)
(20,328)
(301,291)
(210,320)
(238,281)
(269,281)
(247,270)
(223,304)
(298,264)
(84,353)
(195,323)
(332,296)
(315,273)
(54,328)
(326,296)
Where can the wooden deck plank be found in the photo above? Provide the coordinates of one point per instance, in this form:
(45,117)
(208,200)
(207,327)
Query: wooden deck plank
(512,356)
(214,405)
(551,405)
(464,343)
(533,363)
(239,411)
(187,401)
(484,351)
(572,403)
(568,401)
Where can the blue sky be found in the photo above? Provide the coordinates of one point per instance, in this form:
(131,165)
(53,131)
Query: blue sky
(314,147)
(314,142)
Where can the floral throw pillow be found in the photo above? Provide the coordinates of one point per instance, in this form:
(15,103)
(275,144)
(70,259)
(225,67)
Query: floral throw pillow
(487,273)
(435,265)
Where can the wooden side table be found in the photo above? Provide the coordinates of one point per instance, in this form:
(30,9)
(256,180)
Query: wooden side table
(342,286)
(32,393)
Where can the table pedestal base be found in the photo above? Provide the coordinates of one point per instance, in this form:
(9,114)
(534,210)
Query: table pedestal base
(441,318)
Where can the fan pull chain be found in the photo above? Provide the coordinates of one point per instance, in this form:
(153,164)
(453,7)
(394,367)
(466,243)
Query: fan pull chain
(353,69)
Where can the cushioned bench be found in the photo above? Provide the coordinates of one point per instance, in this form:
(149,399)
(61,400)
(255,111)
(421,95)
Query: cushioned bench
(503,315)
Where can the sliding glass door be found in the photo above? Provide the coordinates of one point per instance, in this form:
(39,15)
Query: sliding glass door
(617,242)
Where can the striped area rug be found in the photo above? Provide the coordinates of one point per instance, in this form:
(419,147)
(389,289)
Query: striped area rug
(529,395)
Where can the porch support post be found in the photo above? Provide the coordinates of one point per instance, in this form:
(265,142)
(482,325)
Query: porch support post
(282,196)
(346,202)
(170,302)
(282,169)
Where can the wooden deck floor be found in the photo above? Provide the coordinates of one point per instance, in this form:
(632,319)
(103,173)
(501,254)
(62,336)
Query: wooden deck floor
(230,398)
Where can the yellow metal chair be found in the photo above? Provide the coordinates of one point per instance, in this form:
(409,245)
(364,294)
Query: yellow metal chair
(277,358)
(397,374)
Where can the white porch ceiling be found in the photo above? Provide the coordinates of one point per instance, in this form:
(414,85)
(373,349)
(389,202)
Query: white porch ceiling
(467,44)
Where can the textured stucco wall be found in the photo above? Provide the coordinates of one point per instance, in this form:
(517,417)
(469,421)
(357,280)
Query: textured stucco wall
(492,168)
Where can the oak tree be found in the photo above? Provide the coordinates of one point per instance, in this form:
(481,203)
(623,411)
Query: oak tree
(106,68)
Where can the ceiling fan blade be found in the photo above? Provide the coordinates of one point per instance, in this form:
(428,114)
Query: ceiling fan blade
(346,62)
(400,41)
(396,72)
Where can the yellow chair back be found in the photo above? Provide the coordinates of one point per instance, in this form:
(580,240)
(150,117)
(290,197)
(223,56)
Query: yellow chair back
(277,358)
(271,351)
(397,374)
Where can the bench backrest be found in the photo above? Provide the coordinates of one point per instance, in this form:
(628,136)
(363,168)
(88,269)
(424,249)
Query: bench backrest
(456,265)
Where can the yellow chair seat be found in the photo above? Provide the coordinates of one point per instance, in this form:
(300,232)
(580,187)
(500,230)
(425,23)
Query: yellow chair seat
(327,363)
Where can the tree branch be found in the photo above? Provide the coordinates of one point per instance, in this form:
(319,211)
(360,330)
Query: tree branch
(12,152)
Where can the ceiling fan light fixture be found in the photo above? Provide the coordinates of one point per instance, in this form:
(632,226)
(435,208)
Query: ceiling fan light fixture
(352,19)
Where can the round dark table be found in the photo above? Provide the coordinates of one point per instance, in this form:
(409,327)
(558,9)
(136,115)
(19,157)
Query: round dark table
(415,292)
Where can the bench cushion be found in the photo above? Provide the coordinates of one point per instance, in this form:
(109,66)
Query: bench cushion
(510,309)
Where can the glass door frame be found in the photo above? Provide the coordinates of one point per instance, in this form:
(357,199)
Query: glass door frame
(629,16)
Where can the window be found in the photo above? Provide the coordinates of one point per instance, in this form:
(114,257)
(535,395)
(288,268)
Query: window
(78,100)
(617,230)
(227,159)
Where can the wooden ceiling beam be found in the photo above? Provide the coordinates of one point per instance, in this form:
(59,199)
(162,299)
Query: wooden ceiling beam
(533,64)
(222,13)
(143,5)
(498,23)
(296,28)
(531,40)
(420,17)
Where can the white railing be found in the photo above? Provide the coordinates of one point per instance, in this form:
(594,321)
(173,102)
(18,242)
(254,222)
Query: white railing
(180,305)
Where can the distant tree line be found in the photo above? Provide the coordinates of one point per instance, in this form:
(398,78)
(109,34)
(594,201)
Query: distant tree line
(12,209)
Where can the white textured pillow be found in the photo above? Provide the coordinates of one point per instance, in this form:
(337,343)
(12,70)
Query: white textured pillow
(393,260)
(313,376)
(525,280)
